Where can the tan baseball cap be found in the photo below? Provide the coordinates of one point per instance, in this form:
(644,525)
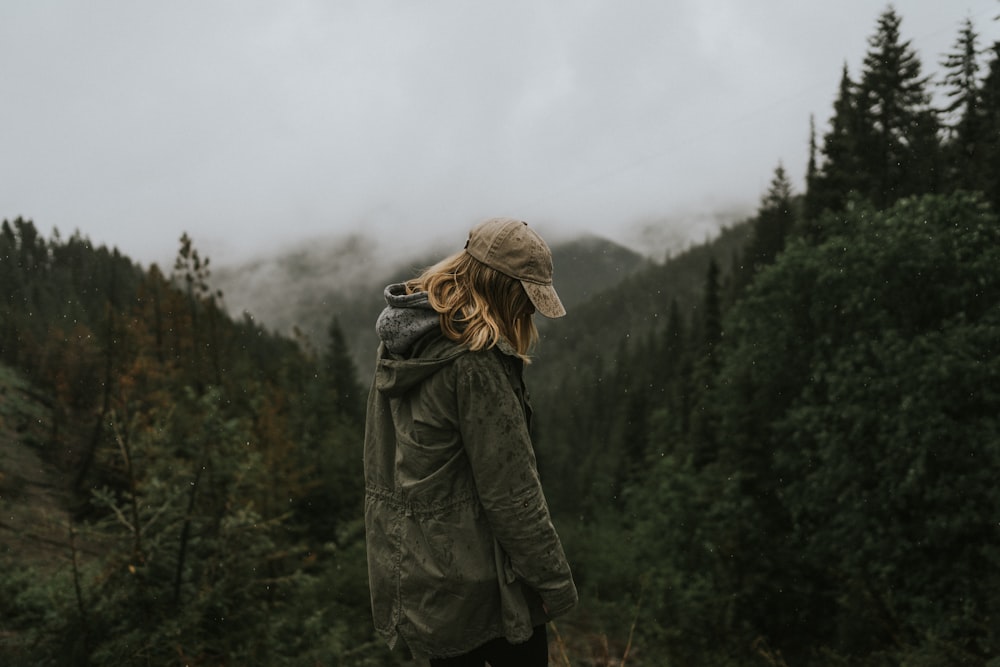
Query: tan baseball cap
(514,249)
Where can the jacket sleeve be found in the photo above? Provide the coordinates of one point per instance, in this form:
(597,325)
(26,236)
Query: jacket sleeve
(495,434)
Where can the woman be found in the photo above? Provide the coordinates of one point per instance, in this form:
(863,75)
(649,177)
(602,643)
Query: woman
(464,564)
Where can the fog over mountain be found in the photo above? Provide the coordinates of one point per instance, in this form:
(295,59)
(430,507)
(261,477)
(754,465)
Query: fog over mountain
(301,290)
(264,125)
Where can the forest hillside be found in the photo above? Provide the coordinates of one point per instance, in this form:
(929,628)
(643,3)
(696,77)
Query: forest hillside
(778,448)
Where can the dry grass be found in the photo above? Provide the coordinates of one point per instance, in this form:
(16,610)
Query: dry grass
(594,649)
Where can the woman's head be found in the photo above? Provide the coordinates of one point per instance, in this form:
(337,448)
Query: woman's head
(514,249)
(489,291)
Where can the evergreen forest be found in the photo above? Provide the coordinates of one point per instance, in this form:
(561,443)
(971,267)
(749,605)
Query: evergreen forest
(778,448)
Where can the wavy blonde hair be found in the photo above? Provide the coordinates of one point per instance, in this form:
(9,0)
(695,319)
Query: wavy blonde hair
(479,306)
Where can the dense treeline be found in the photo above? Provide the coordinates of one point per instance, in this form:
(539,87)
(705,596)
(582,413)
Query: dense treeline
(215,468)
(794,461)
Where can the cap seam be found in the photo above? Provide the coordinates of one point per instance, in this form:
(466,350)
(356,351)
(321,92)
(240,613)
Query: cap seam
(491,252)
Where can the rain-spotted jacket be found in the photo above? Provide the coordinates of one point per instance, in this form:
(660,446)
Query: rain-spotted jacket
(461,547)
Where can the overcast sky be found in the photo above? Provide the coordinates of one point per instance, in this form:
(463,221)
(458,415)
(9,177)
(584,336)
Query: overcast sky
(252,124)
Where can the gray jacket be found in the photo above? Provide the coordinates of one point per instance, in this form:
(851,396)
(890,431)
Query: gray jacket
(461,548)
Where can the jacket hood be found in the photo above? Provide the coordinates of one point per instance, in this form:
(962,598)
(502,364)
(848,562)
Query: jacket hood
(405,319)
(406,327)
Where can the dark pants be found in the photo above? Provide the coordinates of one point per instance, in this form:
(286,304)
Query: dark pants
(501,653)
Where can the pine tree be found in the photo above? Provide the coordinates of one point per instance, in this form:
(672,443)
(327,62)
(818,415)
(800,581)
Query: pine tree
(706,370)
(340,376)
(774,221)
(333,425)
(842,171)
(989,180)
(964,151)
(680,365)
(900,128)
(811,206)
(195,273)
(712,314)
(10,278)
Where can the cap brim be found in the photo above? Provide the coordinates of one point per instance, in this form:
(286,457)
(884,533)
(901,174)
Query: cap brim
(545,299)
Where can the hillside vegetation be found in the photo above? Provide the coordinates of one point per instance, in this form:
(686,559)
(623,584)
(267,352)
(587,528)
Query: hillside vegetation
(778,448)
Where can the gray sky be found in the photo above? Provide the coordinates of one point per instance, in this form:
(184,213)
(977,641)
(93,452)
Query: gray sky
(254,124)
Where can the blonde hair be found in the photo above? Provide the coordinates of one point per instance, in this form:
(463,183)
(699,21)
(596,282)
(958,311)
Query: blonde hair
(478,305)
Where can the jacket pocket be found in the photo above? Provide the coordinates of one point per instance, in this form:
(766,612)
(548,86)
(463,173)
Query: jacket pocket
(507,567)
(517,625)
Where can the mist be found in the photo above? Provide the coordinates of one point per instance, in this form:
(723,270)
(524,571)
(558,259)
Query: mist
(282,124)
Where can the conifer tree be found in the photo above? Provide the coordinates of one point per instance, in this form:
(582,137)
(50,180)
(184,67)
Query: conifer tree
(989,180)
(111,343)
(811,207)
(671,377)
(774,221)
(195,273)
(712,321)
(706,369)
(333,430)
(842,171)
(9,278)
(964,151)
(899,144)
(673,342)
(340,376)
(681,395)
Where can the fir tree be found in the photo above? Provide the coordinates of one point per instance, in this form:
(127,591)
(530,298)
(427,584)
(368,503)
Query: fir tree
(703,414)
(842,171)
(989,180)
(774,221)
(811,209)
(340,376)
(899,141)
(964,151)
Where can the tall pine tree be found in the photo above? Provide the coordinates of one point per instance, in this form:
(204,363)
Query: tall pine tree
(841,171)
(989,180)
(964,149)
(774,221)
(703,413)
(900,145)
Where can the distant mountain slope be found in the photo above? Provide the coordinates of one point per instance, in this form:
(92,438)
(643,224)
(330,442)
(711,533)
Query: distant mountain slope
(307,286)
(34,486)
(589,265)
(631,308)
